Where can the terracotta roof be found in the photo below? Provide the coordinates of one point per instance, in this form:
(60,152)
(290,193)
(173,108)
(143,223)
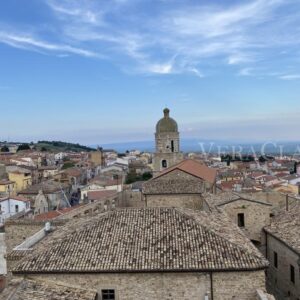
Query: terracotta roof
(54,213)
(194,168)
(47,290)
(145,240)
(286,227)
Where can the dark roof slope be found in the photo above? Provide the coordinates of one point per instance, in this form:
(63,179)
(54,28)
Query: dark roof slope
(187,178)
(195,168)
(286,227)
(146,240)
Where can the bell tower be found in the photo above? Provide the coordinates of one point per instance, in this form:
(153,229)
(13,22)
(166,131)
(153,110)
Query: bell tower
(167,150)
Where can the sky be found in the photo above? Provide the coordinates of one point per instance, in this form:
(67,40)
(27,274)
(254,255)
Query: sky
(101,71)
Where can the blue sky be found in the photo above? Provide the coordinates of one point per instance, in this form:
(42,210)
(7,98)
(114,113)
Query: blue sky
(95,71)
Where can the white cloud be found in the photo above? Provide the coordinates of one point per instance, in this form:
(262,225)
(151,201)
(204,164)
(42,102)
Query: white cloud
(245,72)
(290,77)
(31,43)
(160,68)
(192,33)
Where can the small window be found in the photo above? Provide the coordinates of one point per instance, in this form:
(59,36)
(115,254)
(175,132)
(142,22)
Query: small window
(172,146)
(17,208)
(275,259)
(241,220)
(164,163)
(108,295)
(292,273)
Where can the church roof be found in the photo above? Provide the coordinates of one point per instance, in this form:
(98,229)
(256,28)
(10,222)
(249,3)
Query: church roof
(174,180)
(166,124)
(146,240)
(195,168)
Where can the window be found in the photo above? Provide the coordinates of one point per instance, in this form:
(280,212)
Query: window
(275,259)
(164,163)
(172,146)
(17,208)
(108,294)
(292,273)
(241,220)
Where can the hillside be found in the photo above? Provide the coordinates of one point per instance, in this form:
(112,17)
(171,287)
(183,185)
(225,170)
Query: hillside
(55,146)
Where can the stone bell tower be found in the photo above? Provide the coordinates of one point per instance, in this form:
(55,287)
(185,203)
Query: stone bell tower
(167,151)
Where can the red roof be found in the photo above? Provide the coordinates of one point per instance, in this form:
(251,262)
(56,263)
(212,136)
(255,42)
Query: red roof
(54,213)
(194,168)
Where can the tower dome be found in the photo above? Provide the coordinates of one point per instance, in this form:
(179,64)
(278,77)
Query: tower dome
(166,124)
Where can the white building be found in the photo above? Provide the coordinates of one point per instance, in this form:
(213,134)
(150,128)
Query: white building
(60,156)
(12,205)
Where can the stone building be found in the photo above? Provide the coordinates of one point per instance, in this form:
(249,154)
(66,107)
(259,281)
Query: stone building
(40,203)
(250,214)
(97,157)
(283,252)
(151,253)
(182,185)
(167,143)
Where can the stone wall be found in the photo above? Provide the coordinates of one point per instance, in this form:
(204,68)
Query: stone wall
(238,285)
(193,201)
(16,232)
(278,279)
(257,216)
(170,286)
(128,198)
(277,199)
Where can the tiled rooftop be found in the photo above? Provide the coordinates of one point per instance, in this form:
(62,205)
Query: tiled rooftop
(286,227)
(194,168)
(145,240)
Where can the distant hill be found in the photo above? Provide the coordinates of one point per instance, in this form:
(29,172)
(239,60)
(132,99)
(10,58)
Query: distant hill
(59,146)
(212,146)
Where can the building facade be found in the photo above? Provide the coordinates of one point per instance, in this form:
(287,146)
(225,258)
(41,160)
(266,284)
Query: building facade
(283,251)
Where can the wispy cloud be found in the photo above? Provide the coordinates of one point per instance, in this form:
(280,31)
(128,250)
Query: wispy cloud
(179,38)
(30,43)
(290,77)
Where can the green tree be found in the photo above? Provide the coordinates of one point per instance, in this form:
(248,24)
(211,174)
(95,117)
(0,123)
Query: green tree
(67,165)
(23,147)
(4,149)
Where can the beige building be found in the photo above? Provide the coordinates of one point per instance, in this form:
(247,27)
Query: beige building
(151,253)
(22,179)
(167,143)
(97,157)
(182,185)
(283,252)
(250,214)
(7,187)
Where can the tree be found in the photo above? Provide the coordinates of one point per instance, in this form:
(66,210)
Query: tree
(146,176)
(4,149)
(23,147)
(67,165)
